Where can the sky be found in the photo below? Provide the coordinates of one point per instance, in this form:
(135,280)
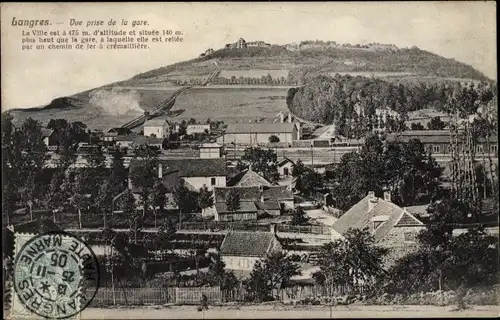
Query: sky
(465,31)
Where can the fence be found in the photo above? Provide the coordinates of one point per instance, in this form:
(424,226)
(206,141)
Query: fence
(303,229)
(155,296)
(311,229)
(192,295)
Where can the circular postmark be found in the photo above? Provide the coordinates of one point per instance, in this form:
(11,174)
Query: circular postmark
(56,275)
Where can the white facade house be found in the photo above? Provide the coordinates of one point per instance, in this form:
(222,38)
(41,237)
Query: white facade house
(156,128)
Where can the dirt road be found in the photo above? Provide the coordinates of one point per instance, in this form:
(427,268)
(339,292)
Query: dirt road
(297,312)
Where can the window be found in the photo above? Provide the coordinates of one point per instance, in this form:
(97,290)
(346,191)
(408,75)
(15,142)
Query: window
(479,148)
(212,181)
(285,171)
(409,236)
(436,149)
(494,148)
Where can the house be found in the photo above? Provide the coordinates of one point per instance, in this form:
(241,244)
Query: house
(391,226)
(125,141)
(285,167)
(147,140)
(210,151)
(255,133)
(197,128)
(240,250)
(254,202)
(157,127)
(49,137)
(112,133)
(196,173)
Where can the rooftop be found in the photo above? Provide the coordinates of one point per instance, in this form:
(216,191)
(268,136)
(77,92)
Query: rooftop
(247,244)
(359,215)
(248,178)
(155,122)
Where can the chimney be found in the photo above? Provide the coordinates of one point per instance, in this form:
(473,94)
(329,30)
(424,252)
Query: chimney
(372,200)
(387,196)
(261,198)
(160,171)
(282,117)
(289,118)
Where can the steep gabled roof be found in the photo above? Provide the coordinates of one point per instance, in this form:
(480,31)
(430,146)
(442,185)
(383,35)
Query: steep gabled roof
(277,193)
(284,161)
(359,216)
(247,244)
(249,178)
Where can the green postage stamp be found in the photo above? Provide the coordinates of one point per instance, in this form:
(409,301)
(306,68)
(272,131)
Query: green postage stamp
(55,276)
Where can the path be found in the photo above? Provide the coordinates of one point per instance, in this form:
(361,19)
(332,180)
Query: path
(297,312)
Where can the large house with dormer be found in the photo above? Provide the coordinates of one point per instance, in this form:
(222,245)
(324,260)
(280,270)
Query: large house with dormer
(392,227)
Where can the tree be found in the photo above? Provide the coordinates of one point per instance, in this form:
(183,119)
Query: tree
(417,126)
(299,216)
(217,274)
(145,174)
(309,181)
(264,162)
(182,128)
(273,138)
(129,209)
(119,174)
(185,199)
(205,199)
(233,201)
(158,198)
(33,157)
(79,198)
(436,124)
(103,200)
(271,274)
(350,260)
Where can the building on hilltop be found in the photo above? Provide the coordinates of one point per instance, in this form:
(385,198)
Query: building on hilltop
(241,43)
(392,227)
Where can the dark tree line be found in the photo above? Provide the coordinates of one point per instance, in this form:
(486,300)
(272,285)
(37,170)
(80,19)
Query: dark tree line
(351,102)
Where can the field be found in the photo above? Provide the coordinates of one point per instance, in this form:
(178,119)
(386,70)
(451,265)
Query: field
(226,103)
(254,73)
(266,311)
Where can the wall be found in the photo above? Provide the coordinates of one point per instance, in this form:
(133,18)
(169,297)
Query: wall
(158,131)
(210,153)
(395,242)
(236,216)
(239,263)
(197,128)
(198,182)
(288,165)
(254,138)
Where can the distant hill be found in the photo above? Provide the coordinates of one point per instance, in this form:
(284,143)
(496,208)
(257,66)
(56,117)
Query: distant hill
(285,65)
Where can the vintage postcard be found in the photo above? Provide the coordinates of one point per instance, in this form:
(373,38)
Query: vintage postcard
(249,160)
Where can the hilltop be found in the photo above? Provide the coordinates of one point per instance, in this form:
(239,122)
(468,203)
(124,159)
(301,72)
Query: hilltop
(254,79)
